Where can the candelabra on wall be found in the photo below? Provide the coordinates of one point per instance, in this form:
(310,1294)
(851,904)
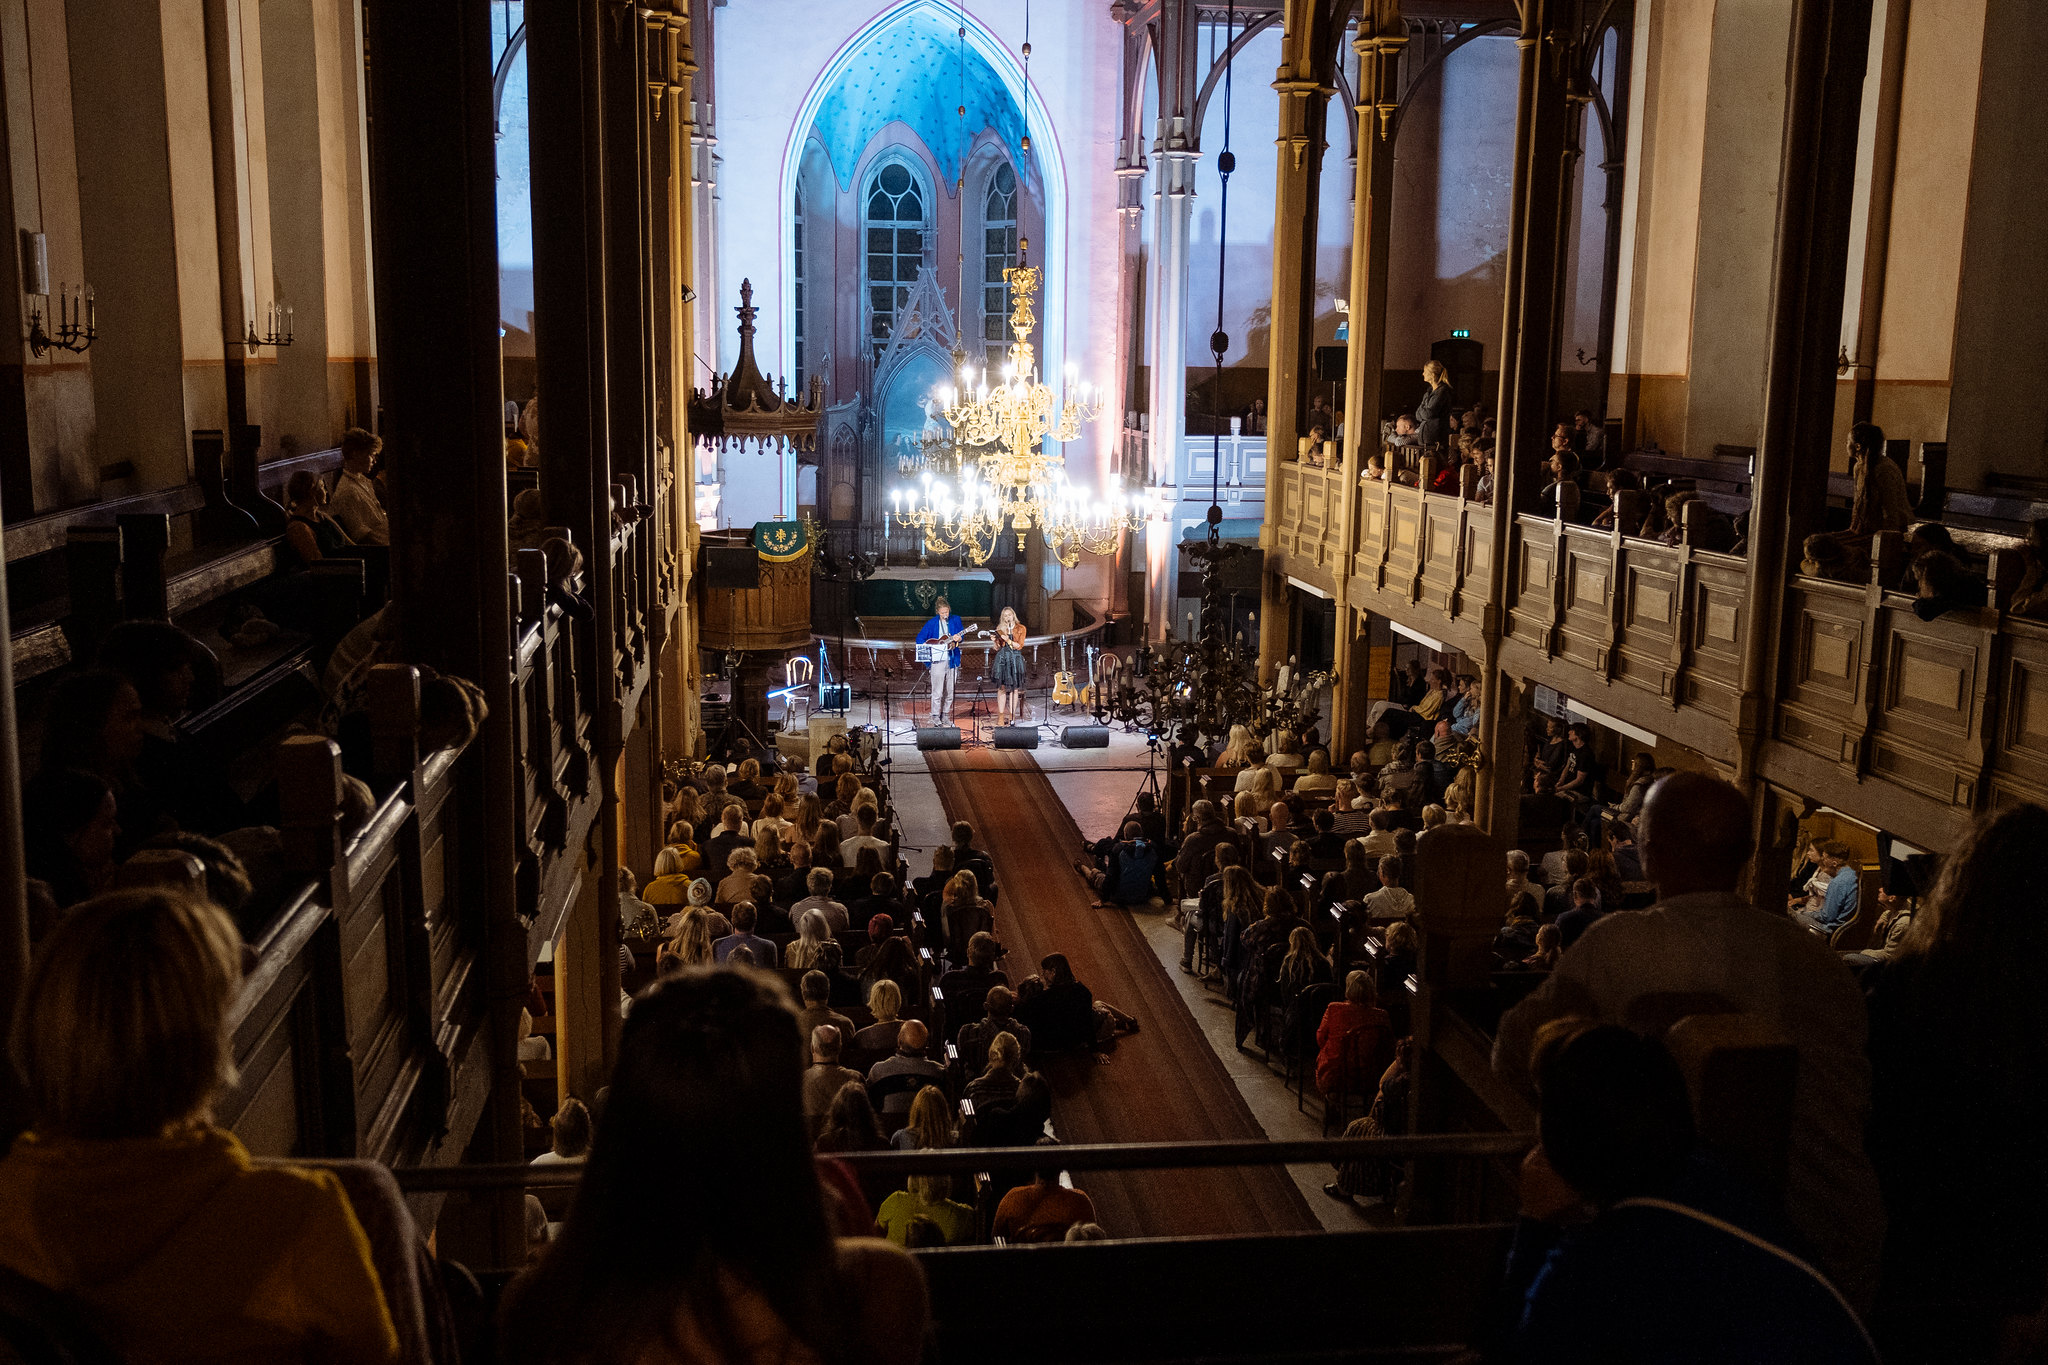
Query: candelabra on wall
(76,320)
(277,319)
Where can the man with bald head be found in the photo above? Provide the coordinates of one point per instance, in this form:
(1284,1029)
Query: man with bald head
(912,1038)
(1702,938)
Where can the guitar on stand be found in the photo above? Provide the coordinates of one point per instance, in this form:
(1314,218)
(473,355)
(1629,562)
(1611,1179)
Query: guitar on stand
(1063,693)
(1088,692)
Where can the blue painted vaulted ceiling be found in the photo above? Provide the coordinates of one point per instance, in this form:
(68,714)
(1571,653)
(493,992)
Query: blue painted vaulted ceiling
(911,70)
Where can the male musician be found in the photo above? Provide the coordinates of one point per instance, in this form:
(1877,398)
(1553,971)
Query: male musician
(943,629)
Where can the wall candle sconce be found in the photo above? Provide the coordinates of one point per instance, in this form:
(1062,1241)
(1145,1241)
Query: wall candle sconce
(76,319)
(277,319)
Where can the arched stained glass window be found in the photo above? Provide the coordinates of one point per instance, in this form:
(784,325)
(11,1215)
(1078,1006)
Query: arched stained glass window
(999,253)
(895,222)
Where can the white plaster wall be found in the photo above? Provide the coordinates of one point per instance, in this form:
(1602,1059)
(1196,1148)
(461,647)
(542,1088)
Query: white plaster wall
(770,60)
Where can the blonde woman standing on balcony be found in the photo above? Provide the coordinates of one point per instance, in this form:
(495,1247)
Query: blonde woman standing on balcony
(1433,413)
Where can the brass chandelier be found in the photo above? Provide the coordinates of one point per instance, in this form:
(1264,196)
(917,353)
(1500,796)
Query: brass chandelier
(1012,484)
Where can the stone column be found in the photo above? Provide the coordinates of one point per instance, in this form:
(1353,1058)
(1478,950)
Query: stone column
(147,212)
(1739,165)
(1529,341)
(674,337)
(704,192)
(241,204)
(1998,404)
(436,237)
(1308,64)
(1815,198)
(1380,38)
(1174,151)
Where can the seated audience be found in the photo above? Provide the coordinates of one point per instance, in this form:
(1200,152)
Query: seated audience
(975,1037)
(569,1134)
(1837,904)
(815,989)
(963,914)
(826,1077)
(1959,1099)
(814,948)
(70,828)
(739,1268)
(981,972)
(998,1080)
(885,1002)
(1625,1253)
(926,1202)
(909,1059)
(1703,939)
(1392,901)
(1586,909)
(1354,1039)
(835,915)
(744,918)
(1043,1210)
(126,1198)
(1897,905)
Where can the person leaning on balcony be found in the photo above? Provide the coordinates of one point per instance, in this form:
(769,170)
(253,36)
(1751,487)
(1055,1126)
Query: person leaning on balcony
(126,1197)
(1433,411)
(1704,939)
(740,1267)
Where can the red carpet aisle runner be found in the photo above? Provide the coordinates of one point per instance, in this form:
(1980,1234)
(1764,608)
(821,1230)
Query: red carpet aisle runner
(1163,1083)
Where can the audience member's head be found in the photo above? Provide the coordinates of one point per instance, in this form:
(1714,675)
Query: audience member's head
(570,1128)
(1695,834)
(69,827)
(121,1030)
(161,660)
(1359,988)
(912,1038)
(1615,1118)
(816,987)
(825,1044)
(94,722)
(885,1000)
(983,950)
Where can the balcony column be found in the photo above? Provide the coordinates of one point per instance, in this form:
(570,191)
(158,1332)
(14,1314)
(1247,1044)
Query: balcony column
(681,716)
(1815,208)
(1305,81)
(1380,38)
(1528,360)
(1175,149)
(435,234)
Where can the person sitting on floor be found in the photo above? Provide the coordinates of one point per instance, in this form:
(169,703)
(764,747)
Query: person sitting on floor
(125,1196)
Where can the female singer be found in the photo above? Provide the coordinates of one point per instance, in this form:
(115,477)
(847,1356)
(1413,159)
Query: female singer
(1009,666)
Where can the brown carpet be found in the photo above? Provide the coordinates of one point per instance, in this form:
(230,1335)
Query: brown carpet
(1162,1084)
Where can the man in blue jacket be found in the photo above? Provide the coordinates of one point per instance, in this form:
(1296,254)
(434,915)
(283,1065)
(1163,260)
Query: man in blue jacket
(943,627)
(1838,906)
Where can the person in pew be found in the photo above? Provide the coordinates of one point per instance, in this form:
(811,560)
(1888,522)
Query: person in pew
(355,504)
(1323,843)
(1633,1246)
(1000,1017)
(565,579)
(913,1040)
(968,858)
(1702,939)
(885,1002)
(1521,891)
(94,723)
(769,917)
(770,860)
(1258,777)
(740,1267)
(747,784)
(891,958)
(310,533)
(833,748)
(1959,1099)
(1043,1210)
(70,829)
(1000,1074)
(1938,575)
(819,882)
(849,821)
(675,868)
(1837,904)
(851,1125)
(1392,901)
(984,952)
(1586,910)
(1549,944)
(1560,497)
(126,1198)
(881,901)
(814,948)
(526,526)
(963,915)
(1318,777)
(569,1134)
(1579,782)
(1897,903)
(825,1078)
(925,1215)
(738,882)
(866,819)
(1354,1040)
(744,918)
(1570,866)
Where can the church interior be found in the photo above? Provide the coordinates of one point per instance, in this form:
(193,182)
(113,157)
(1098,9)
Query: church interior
(829,597)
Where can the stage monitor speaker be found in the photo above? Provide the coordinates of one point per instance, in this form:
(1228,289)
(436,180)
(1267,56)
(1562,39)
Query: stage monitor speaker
(835,696)
(1085,737)
(731,566)
(939,737)
(1016,736)
(1329,363)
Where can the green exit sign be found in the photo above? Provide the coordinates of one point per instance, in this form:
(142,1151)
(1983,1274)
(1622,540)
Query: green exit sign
(1462,332)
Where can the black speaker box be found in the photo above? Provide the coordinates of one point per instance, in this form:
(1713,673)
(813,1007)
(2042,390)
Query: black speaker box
(1329,363)
(1085,737)
(731,566)
(1016,736)
(835,696)
(938,737)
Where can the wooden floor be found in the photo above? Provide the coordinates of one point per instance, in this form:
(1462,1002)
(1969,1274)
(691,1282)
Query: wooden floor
(1163,1083)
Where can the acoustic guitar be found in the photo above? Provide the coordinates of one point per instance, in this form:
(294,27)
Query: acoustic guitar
(1063,693)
